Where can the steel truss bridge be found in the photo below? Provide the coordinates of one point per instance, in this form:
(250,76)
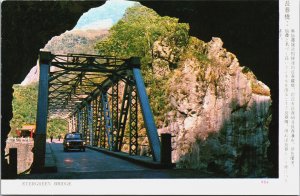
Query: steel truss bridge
(89,90)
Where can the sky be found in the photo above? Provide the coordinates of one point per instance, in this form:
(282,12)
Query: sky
(105,16)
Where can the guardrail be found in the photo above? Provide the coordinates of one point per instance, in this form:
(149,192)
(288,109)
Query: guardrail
(164,163)
(19,140)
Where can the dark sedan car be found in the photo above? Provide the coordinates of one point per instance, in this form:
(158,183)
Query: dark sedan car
(73,141)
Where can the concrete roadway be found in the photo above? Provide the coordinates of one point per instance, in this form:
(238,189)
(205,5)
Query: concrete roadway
(92,164)
(89,161)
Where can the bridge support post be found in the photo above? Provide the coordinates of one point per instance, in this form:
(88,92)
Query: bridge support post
(98,117)
(69,125)
(166,149)
(13,162)
(133,122)
(79,121)
(73,123)
(95,120)
(146,110)
(102,134)
(85,123)
(42,113)
(123,117)
(90,123)
(108,120)
(114,114)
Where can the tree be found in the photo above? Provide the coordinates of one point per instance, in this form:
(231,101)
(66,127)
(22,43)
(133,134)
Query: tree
(135,35)
(25,109)
(136,32)
(24,105)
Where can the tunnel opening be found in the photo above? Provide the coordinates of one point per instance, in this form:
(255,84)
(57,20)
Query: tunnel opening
(257,50)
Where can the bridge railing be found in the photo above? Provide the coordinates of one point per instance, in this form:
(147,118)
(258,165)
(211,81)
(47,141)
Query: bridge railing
(144,146)
(19,140)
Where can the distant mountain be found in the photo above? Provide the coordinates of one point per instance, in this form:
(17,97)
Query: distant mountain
(91,27)
(104,16)
(75,41)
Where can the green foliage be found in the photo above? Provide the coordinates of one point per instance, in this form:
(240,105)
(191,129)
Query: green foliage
(257,88)
(24,105)
(248,73)
(136,32)
(57,126)
(158,98)
(196,49)
(25,108)
(134,35)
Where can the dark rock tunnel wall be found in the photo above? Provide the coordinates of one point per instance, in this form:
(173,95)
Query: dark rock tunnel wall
(249,29)
(27,27)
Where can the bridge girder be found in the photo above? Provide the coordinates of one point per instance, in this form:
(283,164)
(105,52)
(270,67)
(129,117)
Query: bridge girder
(86,89)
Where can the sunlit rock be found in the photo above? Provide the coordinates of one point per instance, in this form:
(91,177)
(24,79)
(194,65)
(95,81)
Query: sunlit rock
(223,115)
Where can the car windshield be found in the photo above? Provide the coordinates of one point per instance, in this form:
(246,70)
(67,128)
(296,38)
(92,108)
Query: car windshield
(73,136)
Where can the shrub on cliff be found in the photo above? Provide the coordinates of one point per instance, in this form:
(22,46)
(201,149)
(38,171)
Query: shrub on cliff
(135,35)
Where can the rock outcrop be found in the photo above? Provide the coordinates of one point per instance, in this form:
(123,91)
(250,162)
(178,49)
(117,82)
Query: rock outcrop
(220,113)
(166,55)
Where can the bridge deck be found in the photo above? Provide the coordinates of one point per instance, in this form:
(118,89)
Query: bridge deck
(89,161)
(97,165)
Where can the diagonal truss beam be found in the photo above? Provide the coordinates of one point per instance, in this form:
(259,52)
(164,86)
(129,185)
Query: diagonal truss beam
(78,86)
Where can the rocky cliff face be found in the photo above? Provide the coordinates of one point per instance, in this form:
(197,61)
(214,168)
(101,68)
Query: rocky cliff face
(220,112)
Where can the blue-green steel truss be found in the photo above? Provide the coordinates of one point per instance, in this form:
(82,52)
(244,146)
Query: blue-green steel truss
(98,94)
